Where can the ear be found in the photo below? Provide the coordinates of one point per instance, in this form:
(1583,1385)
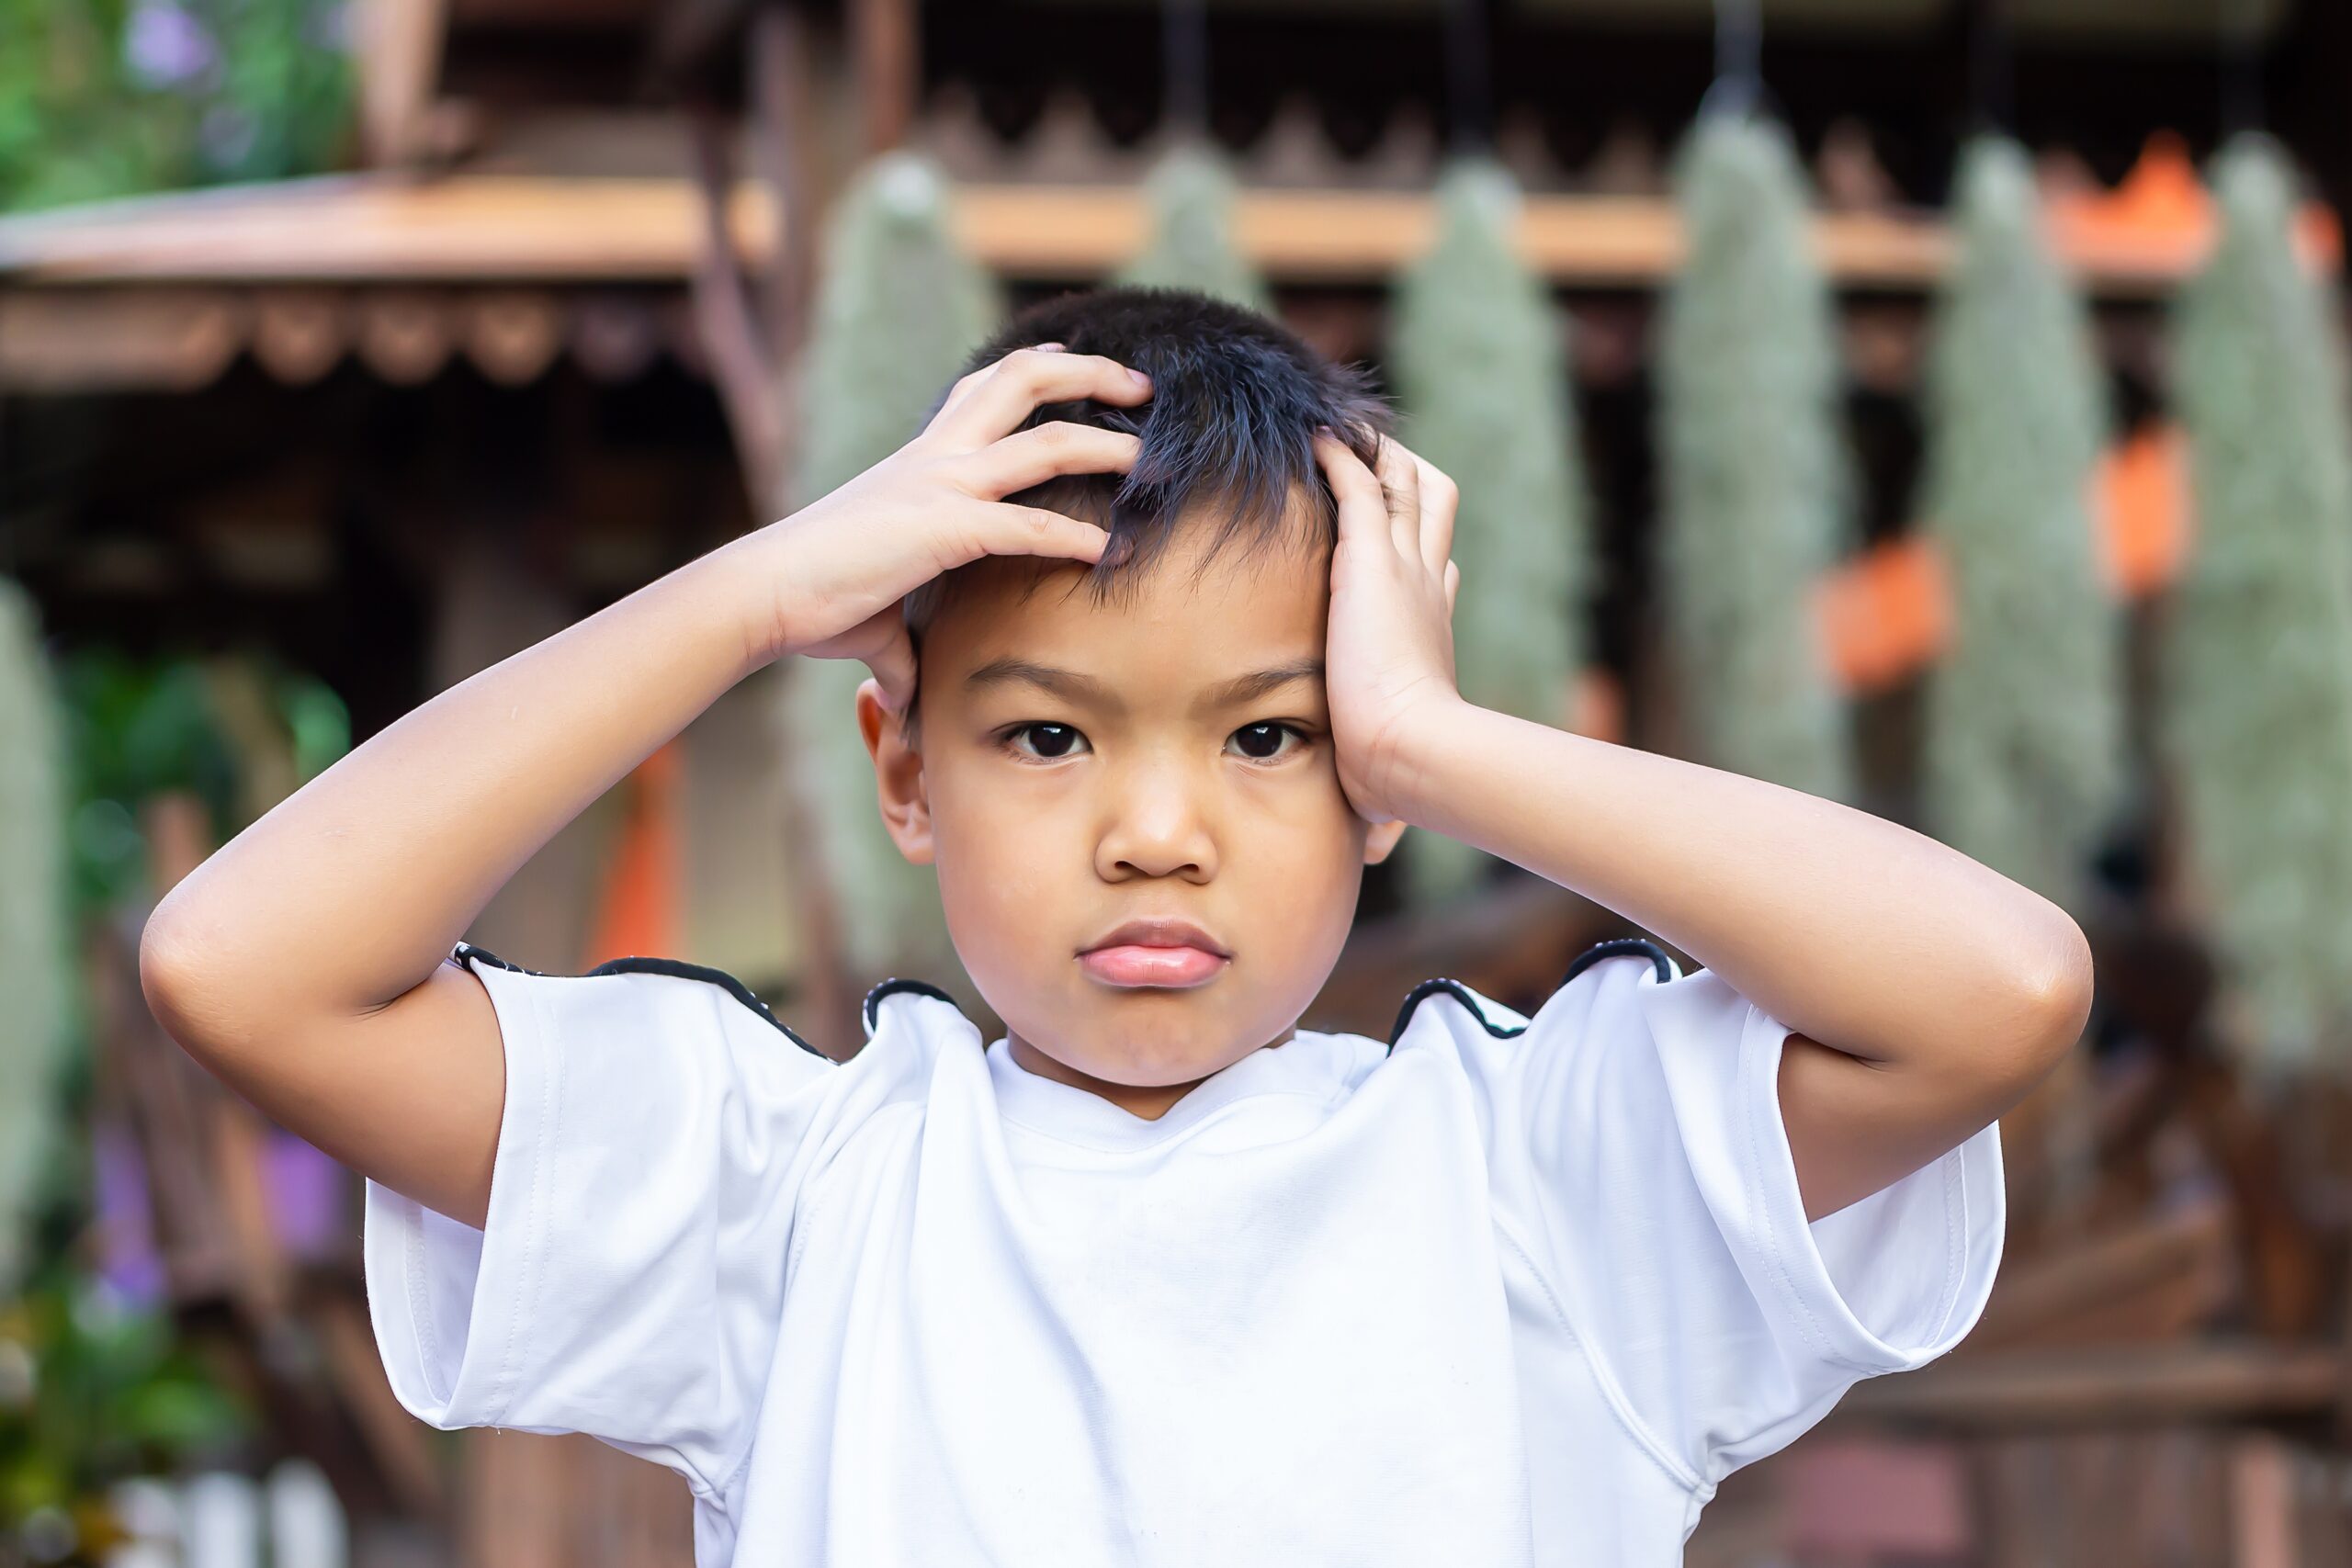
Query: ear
(1380,839)
(897,775)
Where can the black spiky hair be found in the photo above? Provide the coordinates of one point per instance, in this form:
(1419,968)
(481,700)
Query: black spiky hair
(1229,430)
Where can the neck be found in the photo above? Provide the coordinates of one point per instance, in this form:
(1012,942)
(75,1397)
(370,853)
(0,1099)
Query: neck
(1148,1102)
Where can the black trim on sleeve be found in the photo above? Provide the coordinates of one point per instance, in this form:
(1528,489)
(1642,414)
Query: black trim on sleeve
(1460,993)
(465,953)
(677,968)
(1616,945)
(1613,948)
(870,1009)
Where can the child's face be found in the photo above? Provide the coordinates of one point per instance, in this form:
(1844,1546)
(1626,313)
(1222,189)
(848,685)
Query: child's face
(1139,788)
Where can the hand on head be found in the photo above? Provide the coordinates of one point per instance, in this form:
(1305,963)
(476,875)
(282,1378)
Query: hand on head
(938,503)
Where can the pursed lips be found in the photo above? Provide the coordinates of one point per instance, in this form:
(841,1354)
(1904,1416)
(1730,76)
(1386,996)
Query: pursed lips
(1155,952)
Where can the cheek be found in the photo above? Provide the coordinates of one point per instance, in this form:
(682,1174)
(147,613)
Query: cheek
(995,864)
(1307,861)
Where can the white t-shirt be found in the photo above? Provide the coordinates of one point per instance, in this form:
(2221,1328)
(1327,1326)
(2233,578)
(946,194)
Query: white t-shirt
(1507,1291)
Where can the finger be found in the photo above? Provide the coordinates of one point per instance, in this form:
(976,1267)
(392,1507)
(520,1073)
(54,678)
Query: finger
(1453,586)
(1355,488)
(894,665)
(1004,529)
(1441,499)
(962,388)
(1009,392)
(1032,457)
(1400,479)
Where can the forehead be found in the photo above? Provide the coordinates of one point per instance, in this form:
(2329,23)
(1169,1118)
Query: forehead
(1185,622)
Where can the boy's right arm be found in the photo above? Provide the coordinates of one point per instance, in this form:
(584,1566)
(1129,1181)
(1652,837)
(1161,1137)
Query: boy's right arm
(303,963)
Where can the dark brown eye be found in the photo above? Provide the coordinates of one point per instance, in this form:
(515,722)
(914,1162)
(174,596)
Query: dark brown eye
(1054,741)
(1263,742)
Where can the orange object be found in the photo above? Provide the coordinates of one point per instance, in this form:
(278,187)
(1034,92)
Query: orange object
(2142,503)
(638,913)
(2159,221)
(1885,614)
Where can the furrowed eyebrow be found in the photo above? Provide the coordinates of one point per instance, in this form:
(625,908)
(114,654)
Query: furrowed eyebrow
(1066,684)
(1263,682)
(1071,686)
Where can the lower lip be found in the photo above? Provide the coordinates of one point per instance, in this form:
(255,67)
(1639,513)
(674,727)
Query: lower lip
(1130,965)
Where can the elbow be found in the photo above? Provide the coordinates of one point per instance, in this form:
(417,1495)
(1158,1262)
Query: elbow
(2053,1005)
(173,974)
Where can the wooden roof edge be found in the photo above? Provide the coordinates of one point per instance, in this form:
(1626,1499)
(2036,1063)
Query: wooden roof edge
(396,227)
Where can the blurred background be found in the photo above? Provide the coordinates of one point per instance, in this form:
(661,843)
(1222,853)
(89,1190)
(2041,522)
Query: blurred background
(1936,405)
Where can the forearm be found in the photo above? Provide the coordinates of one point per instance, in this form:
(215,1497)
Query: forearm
(1853,931)
(347,893)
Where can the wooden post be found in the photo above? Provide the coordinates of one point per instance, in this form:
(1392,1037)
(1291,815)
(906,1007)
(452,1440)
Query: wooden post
(752,335)
(399,60)
(889,68)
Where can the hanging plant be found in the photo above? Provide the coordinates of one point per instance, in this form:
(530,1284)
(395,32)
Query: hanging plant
(1478,355)
(36,958)
(899,306)
(2255,671)
(1189,194)
(1754,471)
(2021,761)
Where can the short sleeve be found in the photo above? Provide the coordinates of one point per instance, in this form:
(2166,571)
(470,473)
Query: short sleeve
(629,1276)
(1670,1217)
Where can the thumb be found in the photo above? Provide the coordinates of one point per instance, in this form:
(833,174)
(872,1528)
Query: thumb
(893,664)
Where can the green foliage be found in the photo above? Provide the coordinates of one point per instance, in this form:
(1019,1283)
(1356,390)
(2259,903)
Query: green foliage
(94,1387)
(1478,356)
(103,98)
(92,1391)
(139,729)
(124,732)
(898,306)
(2022,758)
(1754,469)
(1190,197)
(2254,714)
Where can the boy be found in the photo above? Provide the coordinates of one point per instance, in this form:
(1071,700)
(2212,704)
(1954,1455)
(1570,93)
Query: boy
(1157,1276)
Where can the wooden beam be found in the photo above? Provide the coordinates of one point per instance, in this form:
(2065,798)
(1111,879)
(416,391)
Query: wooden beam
(2114,1386)
(484,228)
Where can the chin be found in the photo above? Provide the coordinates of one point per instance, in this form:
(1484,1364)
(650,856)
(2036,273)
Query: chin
(1149,1068)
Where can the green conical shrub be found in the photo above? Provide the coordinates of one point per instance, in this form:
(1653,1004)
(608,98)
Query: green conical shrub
(2022,757)
(1190,194)
(36,960)
(2255,718)
(1753,466)
(899,306)
(1477,354)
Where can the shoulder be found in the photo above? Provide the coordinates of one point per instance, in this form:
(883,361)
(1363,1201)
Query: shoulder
(723,989)
(1477,1013)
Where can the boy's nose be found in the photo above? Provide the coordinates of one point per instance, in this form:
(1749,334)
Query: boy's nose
(1156,828)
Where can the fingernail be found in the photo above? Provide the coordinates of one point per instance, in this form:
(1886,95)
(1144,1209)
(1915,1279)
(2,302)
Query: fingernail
(1050,347)
(1141,379)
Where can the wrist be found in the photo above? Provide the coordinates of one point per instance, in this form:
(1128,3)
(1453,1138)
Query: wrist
(747,580)
(1415,752)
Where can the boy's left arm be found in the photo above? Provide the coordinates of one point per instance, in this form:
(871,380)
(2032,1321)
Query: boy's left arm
(1926,992)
